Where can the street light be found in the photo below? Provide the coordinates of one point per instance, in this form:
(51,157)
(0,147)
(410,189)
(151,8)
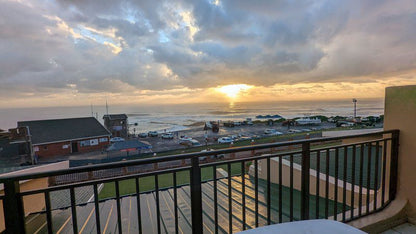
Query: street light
(355,107)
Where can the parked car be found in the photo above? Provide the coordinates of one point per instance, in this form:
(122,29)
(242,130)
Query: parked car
(294,131)
(237,123)
(190,143)
(152,134)
(167,135)
(272,132)
(116,139)
(142,135)
(183,140)
(225,140)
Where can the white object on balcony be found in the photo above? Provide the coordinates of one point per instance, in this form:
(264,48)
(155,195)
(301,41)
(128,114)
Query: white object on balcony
(318,226)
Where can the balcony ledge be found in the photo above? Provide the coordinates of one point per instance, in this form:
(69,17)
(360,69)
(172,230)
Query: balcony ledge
(391,216)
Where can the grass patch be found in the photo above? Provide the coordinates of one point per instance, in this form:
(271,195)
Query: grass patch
(165,181)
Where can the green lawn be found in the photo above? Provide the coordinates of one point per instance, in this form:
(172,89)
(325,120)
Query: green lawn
(165,180)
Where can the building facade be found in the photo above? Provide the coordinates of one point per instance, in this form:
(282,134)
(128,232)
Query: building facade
(58,137)
(117,125)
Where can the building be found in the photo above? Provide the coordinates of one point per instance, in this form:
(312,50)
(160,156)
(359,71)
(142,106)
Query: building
(117,124)
(15,147)
(56,137)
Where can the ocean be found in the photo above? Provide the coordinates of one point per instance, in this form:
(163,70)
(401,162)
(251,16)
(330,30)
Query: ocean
(177,117)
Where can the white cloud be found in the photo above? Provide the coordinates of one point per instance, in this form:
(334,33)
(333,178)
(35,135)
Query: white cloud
(110,46)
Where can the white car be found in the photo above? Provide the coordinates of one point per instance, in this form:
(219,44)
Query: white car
(272,132)
(225,140)
(237,123)
(116,139)
(184,140)
(168,135)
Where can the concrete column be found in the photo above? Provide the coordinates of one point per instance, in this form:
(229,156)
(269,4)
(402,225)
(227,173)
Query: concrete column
(400,113)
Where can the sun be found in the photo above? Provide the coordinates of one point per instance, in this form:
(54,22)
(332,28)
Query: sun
(233,91)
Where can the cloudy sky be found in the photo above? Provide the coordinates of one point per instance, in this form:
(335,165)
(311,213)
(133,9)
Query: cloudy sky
(81,52)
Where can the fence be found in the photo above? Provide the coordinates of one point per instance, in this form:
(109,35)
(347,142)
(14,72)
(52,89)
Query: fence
(243,190)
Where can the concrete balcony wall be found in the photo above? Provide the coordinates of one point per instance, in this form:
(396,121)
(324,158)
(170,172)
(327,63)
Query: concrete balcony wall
(297,170)
(400,113)
(32,203)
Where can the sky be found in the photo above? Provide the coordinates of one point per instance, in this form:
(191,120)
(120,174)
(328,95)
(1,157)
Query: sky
(62,53)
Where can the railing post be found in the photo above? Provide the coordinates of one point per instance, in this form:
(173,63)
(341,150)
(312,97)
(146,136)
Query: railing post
(196,196)
(394,163)
(304,205)
(14,215)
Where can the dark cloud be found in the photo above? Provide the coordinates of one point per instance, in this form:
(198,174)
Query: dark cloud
(113,46)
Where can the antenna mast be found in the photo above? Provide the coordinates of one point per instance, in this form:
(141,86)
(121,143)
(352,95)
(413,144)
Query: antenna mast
(106,106)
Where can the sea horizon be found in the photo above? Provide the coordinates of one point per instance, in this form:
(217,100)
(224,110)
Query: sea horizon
(174,117)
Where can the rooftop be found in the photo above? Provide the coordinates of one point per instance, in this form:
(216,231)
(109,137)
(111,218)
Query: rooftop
(115,116)
(57,130)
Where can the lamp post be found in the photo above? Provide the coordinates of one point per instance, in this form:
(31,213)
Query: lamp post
(355,108)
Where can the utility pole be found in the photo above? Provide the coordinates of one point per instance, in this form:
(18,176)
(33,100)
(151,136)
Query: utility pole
(355,107)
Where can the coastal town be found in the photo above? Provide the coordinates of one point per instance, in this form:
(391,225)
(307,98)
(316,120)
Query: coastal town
(85,140)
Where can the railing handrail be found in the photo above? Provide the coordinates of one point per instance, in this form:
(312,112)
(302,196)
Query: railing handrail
(137,162)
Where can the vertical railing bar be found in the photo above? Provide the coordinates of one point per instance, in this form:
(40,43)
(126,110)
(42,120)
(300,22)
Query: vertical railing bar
(175,202)
(243,194)
(304,203)
(327,158)
(280,191)
(13,208)
(157,204)
(354,149)
(344,190)
(394,163)
(215,199)
(368,177)
(48,211)
(117,185)
(291,188)
(383,188)
(360,195)
(73,210)
(139,211)
(268,193)
(318,180)
(376,175)
(336,183)
(97,209)
(196,196)
(256,192)
(230,200)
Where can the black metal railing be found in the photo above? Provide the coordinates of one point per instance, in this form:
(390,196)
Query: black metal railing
(221,191)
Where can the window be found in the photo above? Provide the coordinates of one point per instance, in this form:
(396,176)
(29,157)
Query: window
(94,142)
(104,139)
(84,143)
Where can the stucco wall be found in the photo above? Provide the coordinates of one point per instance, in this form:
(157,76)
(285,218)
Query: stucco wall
(35,202)
(400,113)
(297,170)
